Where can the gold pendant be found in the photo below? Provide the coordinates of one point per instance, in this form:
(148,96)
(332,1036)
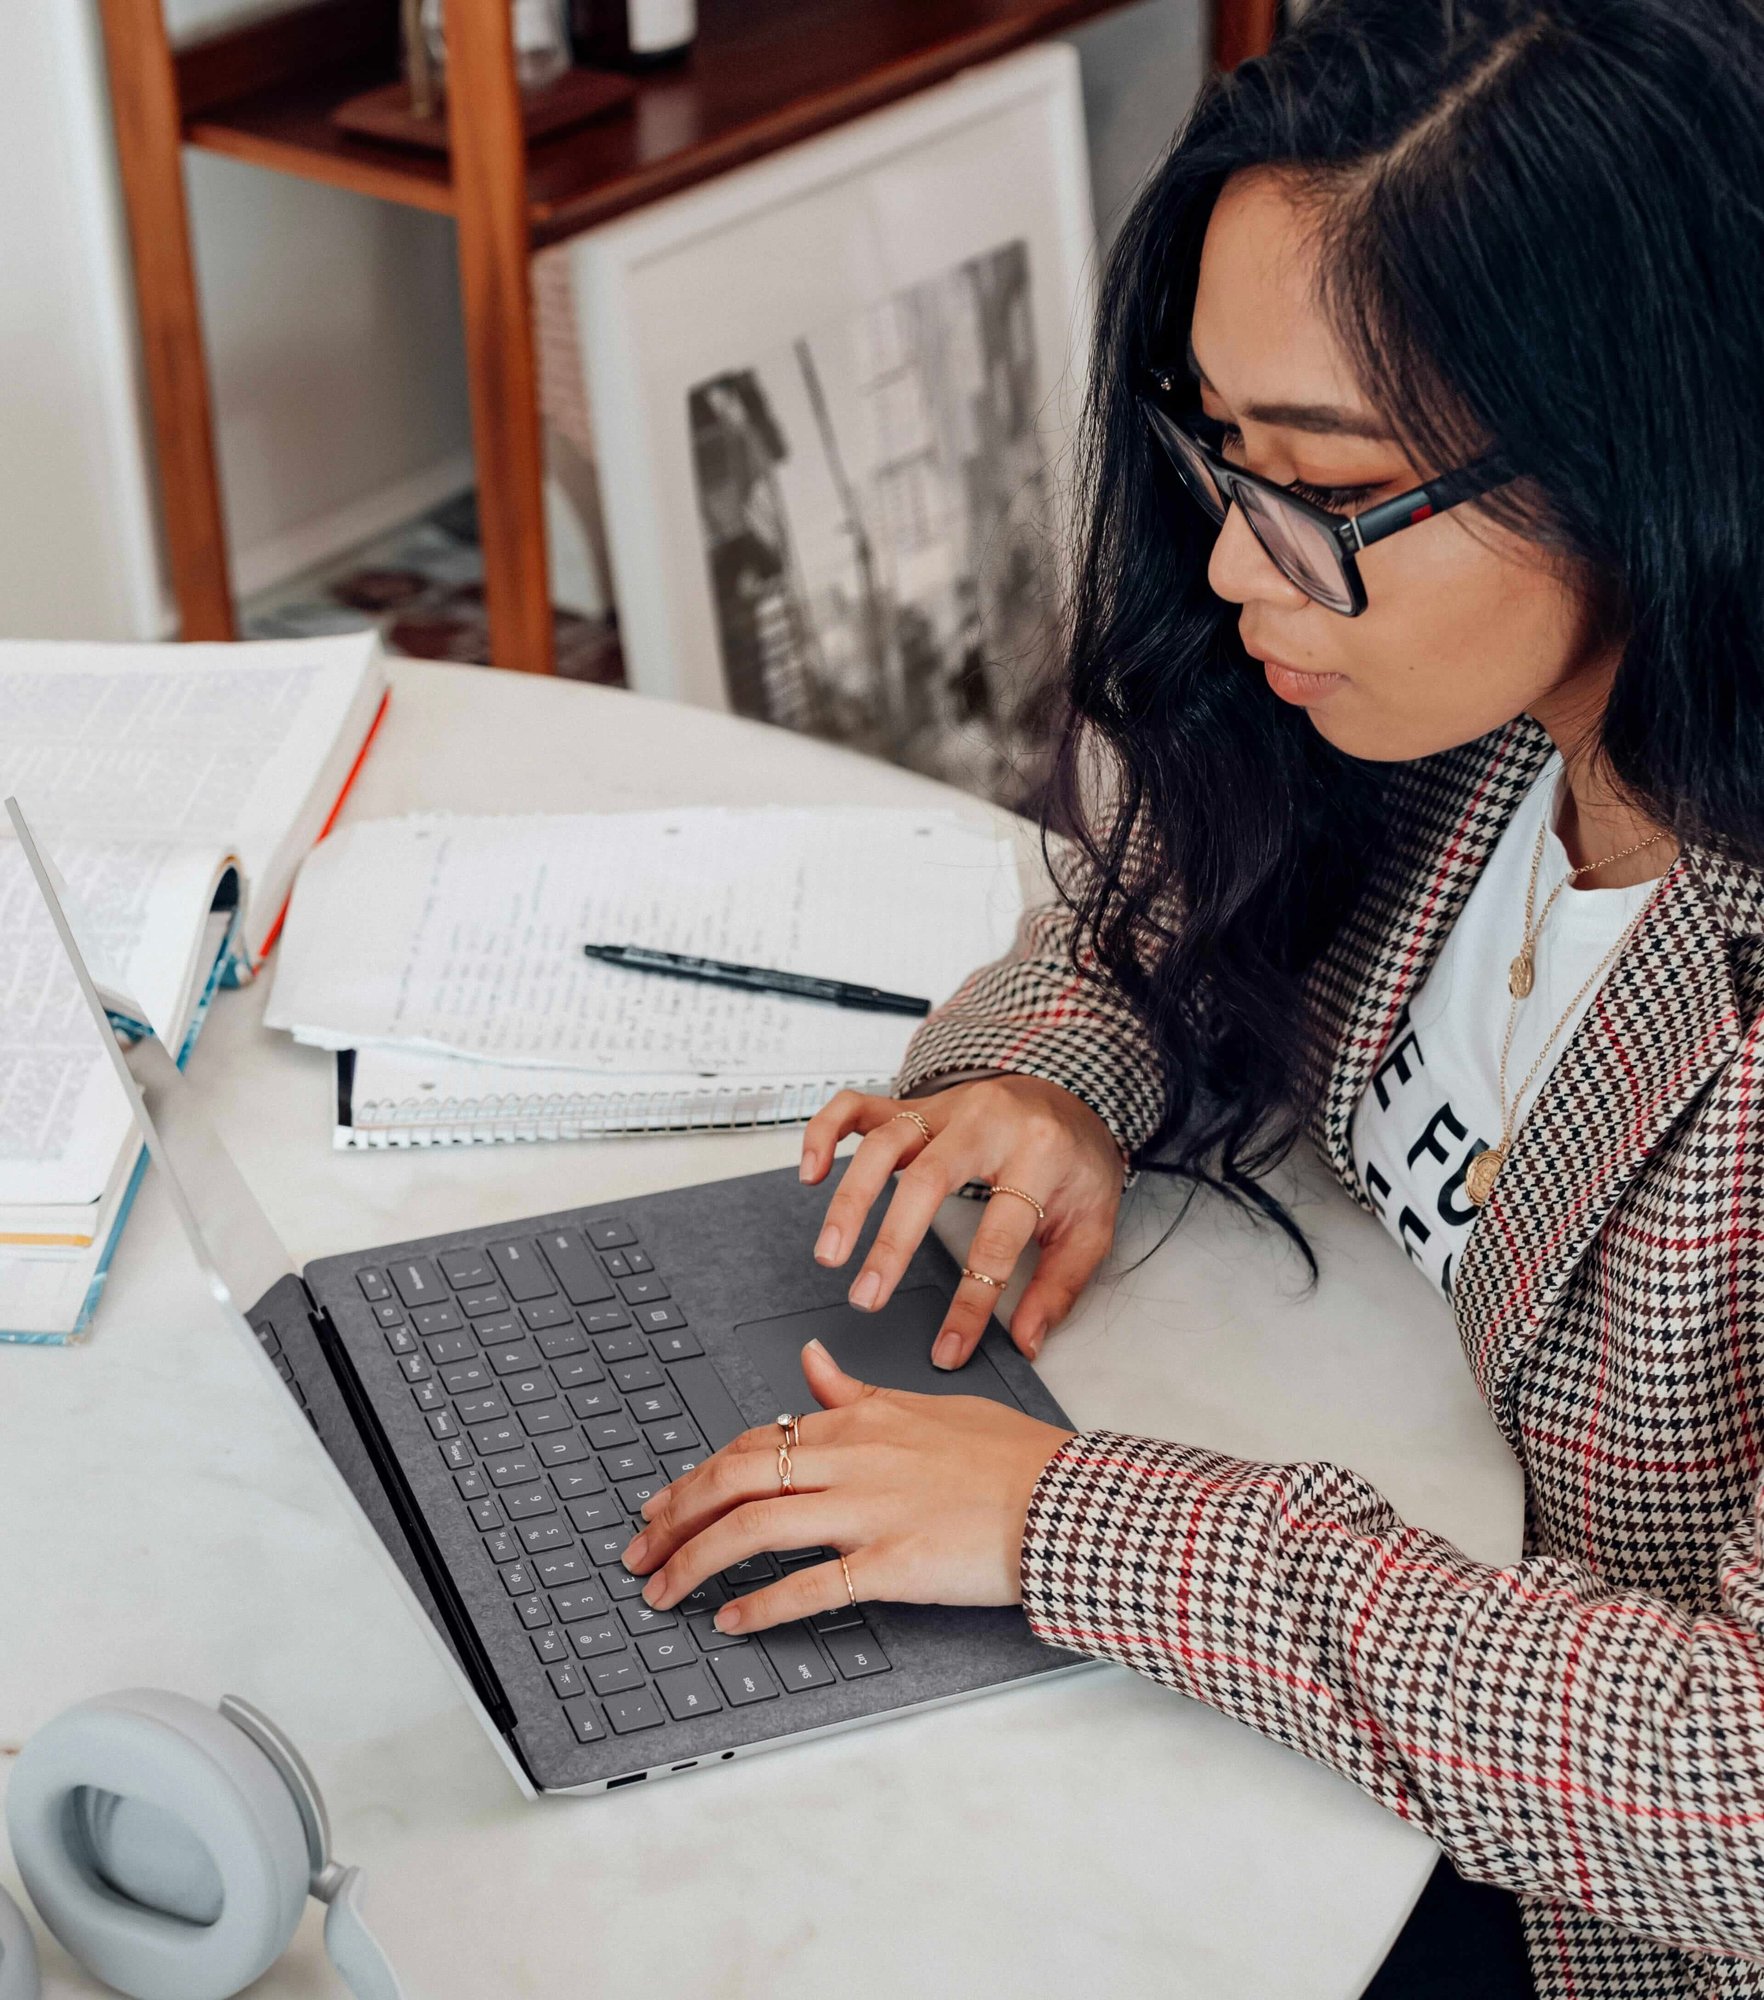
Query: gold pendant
(1480,1179)
(1520,975)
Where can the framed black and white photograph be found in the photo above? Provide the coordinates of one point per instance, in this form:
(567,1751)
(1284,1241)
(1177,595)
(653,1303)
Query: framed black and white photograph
(833,495)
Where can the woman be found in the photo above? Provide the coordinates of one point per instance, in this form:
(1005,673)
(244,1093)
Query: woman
(1436,836)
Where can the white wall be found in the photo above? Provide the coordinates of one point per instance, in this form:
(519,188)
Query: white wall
(332,323)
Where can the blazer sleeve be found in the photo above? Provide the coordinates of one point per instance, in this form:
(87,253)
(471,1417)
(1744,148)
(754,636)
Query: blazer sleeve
(1555,1736)
(1047,1010)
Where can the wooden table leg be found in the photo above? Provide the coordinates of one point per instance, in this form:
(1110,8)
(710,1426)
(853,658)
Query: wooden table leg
(490,198)
(149,144)
(1241,29)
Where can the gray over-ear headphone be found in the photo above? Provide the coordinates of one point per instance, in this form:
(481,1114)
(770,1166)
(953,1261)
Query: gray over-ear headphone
(171,1848)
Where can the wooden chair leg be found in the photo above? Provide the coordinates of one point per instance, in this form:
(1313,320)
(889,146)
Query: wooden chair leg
(490,197)
(1241,29)
(149,143)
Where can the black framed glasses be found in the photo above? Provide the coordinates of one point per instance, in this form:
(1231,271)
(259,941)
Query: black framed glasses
(1310,546)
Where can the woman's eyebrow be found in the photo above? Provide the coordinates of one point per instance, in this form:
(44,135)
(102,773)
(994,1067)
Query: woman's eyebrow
(1321,419)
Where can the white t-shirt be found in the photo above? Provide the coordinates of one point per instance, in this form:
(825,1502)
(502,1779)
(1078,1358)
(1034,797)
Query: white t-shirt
(1433,1102)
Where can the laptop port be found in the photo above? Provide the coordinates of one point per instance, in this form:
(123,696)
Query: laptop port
(636,1778)
(687,1766)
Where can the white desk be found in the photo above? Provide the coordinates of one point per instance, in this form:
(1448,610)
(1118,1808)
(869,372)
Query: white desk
(162,1526)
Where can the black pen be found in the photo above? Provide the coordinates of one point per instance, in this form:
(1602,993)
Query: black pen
(757,979)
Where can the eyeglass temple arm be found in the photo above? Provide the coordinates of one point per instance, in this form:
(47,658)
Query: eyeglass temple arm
(1361,530)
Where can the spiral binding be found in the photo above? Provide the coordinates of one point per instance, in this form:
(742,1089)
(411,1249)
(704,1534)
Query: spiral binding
(416,1121)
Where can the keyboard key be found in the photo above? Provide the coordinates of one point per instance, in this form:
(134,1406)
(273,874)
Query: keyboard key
(606,1545)
(616,1264)
(585,1720)
(707,1635)
(557,1567)
(597,1636)
(550,1644)
(600,1512)
(676,1464)
(580,1600)
(373,1285)
(655,1403)
(524,1273)
(566,1679)
(617,1346)
(540,1418)
(515,1358)
(537,1536)
(487,1512)
(534,1611)
(443,1318)
(418,1282)
(613,1676)
(571,1482)
(456,1454)
(464,1267)
(563,1448)
(633,1492)
(502,1435)
(389,1314)
(629,1462)
(414,1367)
(643,1373)
(535,1386)
(701,1389)
(706,1597)
(578,1370)
(545,1313)
(471,1484)
(606,1431)
(481,1407)
(658,1318)
(679,1346)
(673,1434)
(641,1617)
(428,1395)
(668,1649)
(498,1329)
(577,1268)
(524,1502)
(464,1376)
(482,1303)
(561,1341)
(795,1657)
(517,1579)
(745,1575)
(449,1347)
(688,1692)
(618,1582)
(855,1653)
(638,1259)
(637,1709)
(611,1233)
(598,1399)
(442,1423)
(504,1546)
(514,1468)
(789,1559)
(743,1676)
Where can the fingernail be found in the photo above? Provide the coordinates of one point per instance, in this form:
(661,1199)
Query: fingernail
(819,1349)
(827,1250)
(727,1619)
(867,1291)
(948,1350)
(653,1588)
(633,1556)
(1033,1336)
(806,1168)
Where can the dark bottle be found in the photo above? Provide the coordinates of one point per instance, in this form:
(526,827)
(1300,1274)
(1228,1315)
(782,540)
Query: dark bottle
(632,34)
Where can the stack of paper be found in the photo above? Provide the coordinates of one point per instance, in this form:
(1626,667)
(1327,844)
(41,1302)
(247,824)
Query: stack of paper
(442,958)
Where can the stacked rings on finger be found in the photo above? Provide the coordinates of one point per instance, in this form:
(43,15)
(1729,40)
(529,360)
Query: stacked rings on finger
(792,1439)
(1004,1187)
(913,1118)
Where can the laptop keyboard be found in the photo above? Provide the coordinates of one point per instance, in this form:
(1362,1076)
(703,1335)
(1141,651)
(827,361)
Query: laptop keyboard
(563,1386)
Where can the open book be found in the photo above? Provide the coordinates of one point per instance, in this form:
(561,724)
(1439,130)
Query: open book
(176,788)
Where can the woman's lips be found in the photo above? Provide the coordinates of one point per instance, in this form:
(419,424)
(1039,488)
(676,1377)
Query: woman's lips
(1293,684)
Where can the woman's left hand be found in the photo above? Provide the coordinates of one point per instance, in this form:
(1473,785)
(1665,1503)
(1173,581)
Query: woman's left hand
(924,1496)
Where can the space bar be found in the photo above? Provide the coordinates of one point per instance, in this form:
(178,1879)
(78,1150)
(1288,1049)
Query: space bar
(712,1410)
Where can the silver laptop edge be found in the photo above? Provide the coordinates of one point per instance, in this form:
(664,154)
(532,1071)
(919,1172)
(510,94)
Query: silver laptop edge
(236,1246)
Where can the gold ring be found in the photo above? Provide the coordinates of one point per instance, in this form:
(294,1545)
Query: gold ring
(1002,1187)
(980,1277)
(914,1117)
(784,1485)
(792,1436)
(852,1594)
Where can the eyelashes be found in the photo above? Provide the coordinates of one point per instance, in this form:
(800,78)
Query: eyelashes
(1224,438)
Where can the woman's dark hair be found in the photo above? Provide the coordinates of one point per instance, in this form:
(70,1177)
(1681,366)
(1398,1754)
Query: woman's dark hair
(1542,232)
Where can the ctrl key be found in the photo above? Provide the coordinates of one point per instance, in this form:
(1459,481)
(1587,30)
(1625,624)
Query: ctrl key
(585,1720)
(855,1652)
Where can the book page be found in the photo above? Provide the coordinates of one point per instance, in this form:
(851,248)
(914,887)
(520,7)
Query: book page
(63,1117)
(218,745)
(465,935)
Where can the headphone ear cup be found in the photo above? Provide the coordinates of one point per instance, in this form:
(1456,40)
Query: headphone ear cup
(89,1793)
(19,1977)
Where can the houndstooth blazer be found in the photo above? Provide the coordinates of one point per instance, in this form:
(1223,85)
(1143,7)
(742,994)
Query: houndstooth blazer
(1585,1727)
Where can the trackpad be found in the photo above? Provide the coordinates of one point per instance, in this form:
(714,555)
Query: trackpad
(891,1347)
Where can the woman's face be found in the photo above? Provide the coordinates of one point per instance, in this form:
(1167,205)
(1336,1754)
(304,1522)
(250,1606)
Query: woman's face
(1466,625)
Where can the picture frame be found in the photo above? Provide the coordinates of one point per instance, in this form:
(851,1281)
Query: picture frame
(831,397)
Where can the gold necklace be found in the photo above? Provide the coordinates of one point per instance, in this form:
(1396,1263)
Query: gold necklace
(1480,1177)
(1522,973)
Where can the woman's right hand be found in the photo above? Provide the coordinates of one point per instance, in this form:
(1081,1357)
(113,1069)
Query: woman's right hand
(1021,1131)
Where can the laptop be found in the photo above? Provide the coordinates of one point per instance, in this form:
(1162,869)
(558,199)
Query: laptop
(498,1403)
